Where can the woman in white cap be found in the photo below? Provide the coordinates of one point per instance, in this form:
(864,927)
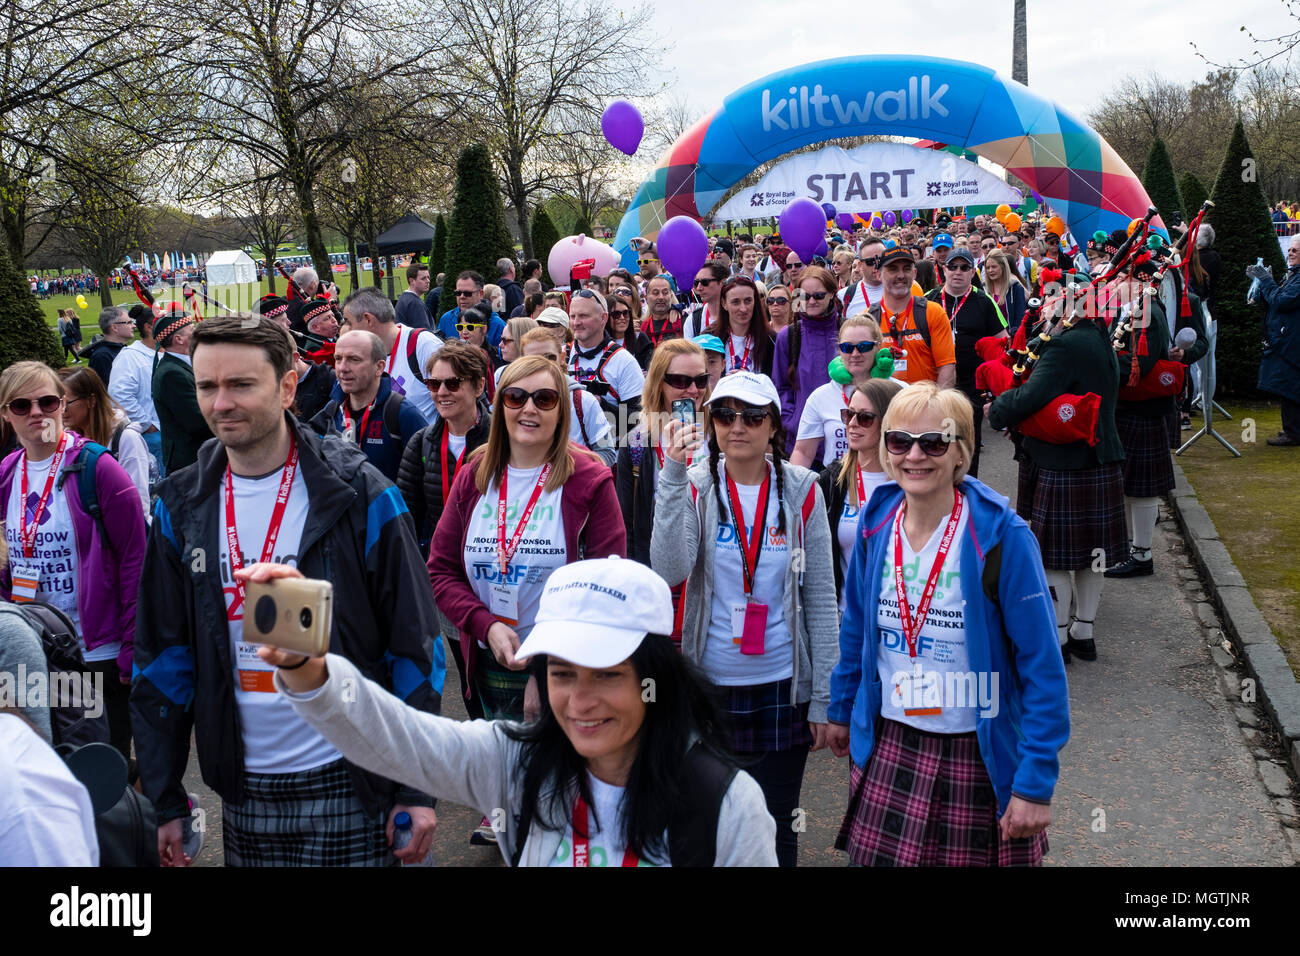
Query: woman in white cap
(625,765)
(748,534)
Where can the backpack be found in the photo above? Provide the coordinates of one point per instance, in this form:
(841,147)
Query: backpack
(597,374)
(392,406)
(126,825)
(412,361)
(693,830)
(84,468)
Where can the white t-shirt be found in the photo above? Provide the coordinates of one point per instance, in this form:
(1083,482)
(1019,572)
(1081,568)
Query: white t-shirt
(941,646)
(45,814)
(276,740)
(621,372)
(722,660)
(140,466)
(456,445)
(860,297)
(605,844)
(846,529)
(541,549)
(594,419)
(697,320)
(821,420)
(399,369)
(55,556)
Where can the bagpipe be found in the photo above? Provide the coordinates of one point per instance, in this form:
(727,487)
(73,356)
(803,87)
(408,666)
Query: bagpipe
(313,348)
(295,290)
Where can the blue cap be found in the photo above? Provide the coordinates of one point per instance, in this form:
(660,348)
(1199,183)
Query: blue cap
(943,239)
(710,343)
(402,821)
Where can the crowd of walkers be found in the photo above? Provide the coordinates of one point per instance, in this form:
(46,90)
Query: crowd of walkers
(672,541)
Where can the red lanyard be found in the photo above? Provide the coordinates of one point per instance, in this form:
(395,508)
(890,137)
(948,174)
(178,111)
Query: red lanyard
(744,358)
(28,537)
(912,627)
(952,316)
(506,550)
(669,326)
(750,550)
(659,453)
(862,490)
(365,420)
(844,390)
(272,529)
(580,837)
(392,354)
(446,487)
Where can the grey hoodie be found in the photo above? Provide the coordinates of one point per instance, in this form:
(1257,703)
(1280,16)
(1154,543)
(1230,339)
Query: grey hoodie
(681,549)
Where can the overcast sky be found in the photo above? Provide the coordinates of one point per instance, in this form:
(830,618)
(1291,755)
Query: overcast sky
(719,47)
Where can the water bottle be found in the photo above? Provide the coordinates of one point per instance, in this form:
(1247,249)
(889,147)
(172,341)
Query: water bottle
(1252,294)
(402,836)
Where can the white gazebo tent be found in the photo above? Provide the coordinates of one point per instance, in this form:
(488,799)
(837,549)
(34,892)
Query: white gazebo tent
(230,267)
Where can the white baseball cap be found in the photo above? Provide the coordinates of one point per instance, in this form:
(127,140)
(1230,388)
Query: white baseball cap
(596,613)
(753,388)
(553,316)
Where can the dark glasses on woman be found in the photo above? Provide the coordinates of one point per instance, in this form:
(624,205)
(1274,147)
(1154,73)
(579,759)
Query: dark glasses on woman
(815,296)
(865,419)
(544,398)
(453,383)
(777,300)
(862,348)
(752,417)
(685,381)
(933,444)
(49,404)
(620,314)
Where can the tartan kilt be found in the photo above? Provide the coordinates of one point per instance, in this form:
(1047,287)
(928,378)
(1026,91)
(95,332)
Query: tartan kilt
(309,818)
(500,689)
(1174,422)
(1148,467)
(926,800)
(1074,512)
(765,719)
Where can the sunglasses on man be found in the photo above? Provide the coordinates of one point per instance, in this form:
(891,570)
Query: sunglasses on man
(462,294)
(960,266)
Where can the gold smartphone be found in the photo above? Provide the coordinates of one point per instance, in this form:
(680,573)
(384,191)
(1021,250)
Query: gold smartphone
(293,614)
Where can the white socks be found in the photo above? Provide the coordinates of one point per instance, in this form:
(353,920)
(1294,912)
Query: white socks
(1062,591)
(1143,513)
(1087,596)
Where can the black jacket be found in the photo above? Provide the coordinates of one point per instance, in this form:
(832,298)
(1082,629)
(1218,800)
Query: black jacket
(358,535)
(834,493)
(419,476)
(182,425)
(314,391)
(101,358)
(513,293)
(634,480)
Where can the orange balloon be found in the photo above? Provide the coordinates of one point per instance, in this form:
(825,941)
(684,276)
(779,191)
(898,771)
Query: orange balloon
(1133,225)
(1012,222)
(1002,212)
(1055,225)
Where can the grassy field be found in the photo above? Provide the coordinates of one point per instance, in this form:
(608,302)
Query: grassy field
(1254,502)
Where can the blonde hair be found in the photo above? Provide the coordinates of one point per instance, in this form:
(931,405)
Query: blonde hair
(539,334)
(1009,273)
(18,378)
(652,393)
(861,321)
(952,405)
(494,455)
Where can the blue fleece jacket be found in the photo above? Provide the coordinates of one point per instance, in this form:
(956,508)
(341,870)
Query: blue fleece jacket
(380,446)
(1020,741)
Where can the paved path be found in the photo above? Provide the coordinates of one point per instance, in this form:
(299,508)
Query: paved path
(1157,771)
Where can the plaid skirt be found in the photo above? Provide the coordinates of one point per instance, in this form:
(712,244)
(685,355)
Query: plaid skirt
(926,800)
(1073,513)
(1148,466)
(500,689)
(309,818)
(764,717)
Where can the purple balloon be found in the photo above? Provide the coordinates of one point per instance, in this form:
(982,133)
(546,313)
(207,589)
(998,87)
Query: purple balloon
(829,209)
(803,226)
(683,247)
(889,218)
(622,125)
(822,249)
(907,215)
(844,220)
(1037,196)
(877,222)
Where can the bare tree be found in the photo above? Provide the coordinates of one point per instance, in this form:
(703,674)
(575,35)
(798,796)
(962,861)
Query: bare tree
(262,204)
(586,169)
(525,61)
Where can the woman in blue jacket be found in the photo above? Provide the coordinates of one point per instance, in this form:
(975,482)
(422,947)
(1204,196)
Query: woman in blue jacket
(953,713)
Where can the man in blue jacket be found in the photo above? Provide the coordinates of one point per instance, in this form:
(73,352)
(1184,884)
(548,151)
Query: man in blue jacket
(469,292)
(364,408)
(1279,366)
(269,490)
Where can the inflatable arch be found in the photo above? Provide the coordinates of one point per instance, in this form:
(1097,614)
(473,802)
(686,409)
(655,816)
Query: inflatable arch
(964,104)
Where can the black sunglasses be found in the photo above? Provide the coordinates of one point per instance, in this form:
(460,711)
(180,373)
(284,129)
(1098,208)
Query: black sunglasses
(865,419)
(862,348)
(777,300)
(960,267)
(873,261)
(453,384)
(462,294)
(933,444)
(585,294)
(49,404)
(544,398)
(620,314)
(685,381)
(815,296)
(623,291)
(724,416)
(700,282)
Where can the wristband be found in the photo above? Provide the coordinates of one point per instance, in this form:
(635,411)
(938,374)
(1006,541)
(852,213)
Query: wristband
(293,667)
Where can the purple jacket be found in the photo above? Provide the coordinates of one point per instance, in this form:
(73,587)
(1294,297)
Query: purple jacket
(108,572)
(818,345)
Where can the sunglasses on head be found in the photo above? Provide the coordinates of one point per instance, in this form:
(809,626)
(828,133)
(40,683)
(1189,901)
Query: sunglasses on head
(463,327)
(862,348)
(752,417)
(685,381)
(544,398)
(933,444)
(453,383)
(865,419)
(49,404)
